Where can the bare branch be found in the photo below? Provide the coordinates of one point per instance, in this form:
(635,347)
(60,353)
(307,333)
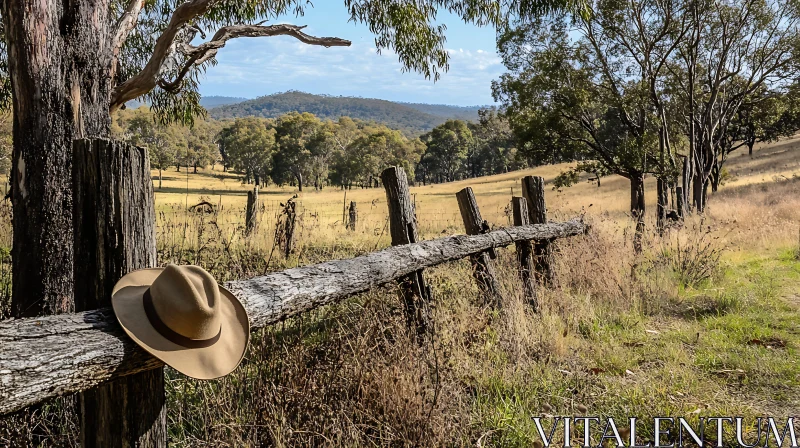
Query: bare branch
(145,80)
(202,53)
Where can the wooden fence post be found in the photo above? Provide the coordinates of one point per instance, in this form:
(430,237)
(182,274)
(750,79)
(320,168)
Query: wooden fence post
(251,213)
(525,252)
(533,191)
(114,224)
(482,265)
(291,218)
(351,224)
(403,228)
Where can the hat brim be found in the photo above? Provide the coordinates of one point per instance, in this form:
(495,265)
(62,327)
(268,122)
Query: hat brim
(206,363)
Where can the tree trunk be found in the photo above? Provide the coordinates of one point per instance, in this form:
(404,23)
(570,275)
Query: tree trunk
(159,178)
(686,183)
(114,234)
(750,145)
(195,168)
(698,191)
(662,204)
(715,178)
(59,63)
(637,209)
(299,177)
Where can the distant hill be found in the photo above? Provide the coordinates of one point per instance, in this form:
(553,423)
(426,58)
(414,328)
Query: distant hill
(213,101)
(411,118)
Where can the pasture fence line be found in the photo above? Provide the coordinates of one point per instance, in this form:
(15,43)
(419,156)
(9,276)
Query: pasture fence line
(88,352)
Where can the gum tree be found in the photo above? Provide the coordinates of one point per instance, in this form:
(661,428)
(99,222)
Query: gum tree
(558,92)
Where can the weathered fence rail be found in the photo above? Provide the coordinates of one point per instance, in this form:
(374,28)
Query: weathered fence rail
(50,356)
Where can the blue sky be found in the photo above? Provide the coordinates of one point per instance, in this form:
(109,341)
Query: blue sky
(251,67)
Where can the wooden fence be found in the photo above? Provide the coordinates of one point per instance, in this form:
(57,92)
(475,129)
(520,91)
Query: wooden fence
(50,356)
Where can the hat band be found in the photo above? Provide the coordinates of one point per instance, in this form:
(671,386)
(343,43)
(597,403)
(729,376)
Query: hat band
(168,333)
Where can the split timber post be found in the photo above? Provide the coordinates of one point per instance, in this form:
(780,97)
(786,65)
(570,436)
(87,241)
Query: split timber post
(351,224)
(251,213)
(403,228)
(525,252)
(114,225)
(291,220)
(533,191)
(481,262)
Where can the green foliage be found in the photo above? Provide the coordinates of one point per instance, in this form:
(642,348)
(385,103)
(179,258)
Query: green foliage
(566,179)
(168,145)
(448,148)
(201,147)
(568,95)
(495,150)
(295,133)
(302,150)
(249,147)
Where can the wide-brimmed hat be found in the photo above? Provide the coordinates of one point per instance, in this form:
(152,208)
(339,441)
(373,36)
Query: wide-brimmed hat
(183,317)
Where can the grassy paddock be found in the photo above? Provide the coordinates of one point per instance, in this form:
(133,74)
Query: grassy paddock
(703,323)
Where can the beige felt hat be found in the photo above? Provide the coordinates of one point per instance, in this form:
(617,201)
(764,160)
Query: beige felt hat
(183,317)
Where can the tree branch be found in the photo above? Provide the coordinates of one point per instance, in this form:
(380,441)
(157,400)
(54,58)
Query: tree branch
(147,79)
(202,53)
(126,22)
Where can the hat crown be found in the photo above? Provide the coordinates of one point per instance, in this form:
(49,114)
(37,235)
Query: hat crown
(187,300)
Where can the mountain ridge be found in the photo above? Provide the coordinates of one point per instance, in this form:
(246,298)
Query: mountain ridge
(412,118)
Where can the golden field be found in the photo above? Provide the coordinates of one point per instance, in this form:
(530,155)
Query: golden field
(740,206)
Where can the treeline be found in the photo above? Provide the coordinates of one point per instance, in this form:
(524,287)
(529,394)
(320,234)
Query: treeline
(301,150)
(653,88)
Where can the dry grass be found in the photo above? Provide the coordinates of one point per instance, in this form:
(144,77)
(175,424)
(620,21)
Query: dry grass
(617,334)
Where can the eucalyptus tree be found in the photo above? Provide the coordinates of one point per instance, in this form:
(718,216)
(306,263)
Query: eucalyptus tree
(249,147)
(495,145)
(448,147)
(201,149)
(164,143)
(296,134)
(65,66)
(731,50)
(374,148)
(559,92)
(632,42)
(764,116)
